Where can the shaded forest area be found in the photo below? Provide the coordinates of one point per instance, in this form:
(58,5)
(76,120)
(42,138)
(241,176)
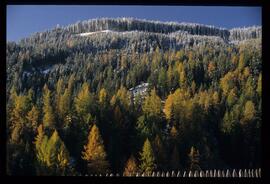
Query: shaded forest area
(70,110)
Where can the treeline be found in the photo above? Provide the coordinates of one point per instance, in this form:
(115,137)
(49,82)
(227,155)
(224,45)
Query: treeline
(58,33)
(238,34)
(202,109)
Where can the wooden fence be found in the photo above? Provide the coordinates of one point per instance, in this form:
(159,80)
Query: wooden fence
(241,173)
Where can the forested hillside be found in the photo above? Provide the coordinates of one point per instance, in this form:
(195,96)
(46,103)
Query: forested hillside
(126,95)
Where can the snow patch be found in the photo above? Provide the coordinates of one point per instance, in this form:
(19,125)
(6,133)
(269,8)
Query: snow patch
(107,31)
(46,70)
(90,33)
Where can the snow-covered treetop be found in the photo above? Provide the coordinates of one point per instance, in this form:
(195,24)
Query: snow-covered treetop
(131,25)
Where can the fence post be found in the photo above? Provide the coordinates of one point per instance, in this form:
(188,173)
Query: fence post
(190,174)
(142,174)
(245,173)
(196,174)
(201,174)
(249,173)
(252,173)
(211,173)
(185,174)
(240,175)
(162,174)
(223,173)
(234,174)
(228,174)
(215,173)
(218,174)
(256,173)
(207,174)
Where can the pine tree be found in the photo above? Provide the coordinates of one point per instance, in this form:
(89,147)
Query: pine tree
(52,156)
(103,98)
(59,91)
(64,104)
(242,61)
(148,164)
(94,152)
(71,82)
(123,97)
(20,109)
(48,118)
(18,121)
(249,112)
(152,105)
(168,108)
(40,136)
(182,75)
(33,118)
(62,155)
(84,103)
(249,88)
(131,167)
(194,157)
(170,78)
(41,151)
(227,82)
(162,81)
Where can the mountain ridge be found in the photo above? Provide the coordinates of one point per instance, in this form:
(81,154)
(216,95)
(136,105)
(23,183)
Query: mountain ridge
(133,24)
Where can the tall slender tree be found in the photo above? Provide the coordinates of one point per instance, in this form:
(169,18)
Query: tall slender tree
(94,152)
(148,161)
(49,117)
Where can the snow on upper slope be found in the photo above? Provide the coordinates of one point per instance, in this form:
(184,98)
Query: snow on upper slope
(90,33)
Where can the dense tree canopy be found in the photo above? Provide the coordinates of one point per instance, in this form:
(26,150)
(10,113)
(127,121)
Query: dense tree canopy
(175,96)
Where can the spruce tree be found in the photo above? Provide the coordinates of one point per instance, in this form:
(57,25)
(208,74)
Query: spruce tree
(194,157)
